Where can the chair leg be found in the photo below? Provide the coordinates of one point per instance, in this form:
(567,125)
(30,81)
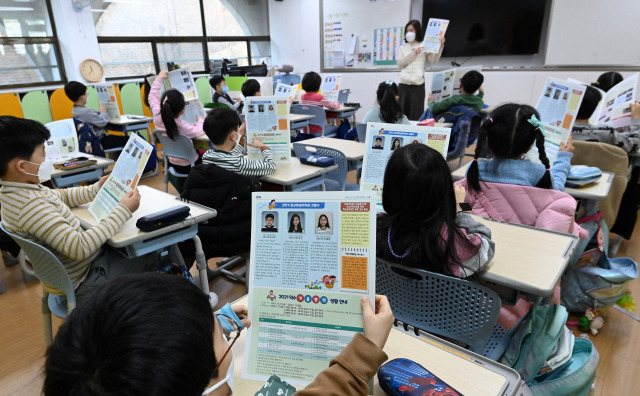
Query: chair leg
(166,174)
(27,273)
(46,317)
(3,289)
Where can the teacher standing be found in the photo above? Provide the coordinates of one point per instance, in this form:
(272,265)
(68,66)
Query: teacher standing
(411,60)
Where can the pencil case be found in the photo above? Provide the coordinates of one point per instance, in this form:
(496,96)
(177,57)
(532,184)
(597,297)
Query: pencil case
(403,377)
(316,160)
(579,172)
(74,163)
(427,122)
(163,218)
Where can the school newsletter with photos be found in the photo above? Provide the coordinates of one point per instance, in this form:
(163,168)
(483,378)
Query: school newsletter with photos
(383,139)
(268,120)
(312,261)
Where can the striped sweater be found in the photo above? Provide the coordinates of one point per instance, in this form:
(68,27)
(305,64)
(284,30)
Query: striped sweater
(42,215)
(236,162)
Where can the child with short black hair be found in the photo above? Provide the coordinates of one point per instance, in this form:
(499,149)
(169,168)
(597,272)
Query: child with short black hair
(222,126)
(221,94)
(311,82)
(42,215)
(251,87)
(77,93)
(469,84)
(510,133)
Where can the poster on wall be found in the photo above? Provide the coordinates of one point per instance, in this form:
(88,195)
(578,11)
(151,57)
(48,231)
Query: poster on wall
(386,43)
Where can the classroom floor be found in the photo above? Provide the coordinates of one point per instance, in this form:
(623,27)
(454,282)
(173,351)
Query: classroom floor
(22,345)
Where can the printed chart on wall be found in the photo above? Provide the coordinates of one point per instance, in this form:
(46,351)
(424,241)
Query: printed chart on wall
(123,178)
(559,102)
(312,261)
(362,34)
(383,139)
(268,120)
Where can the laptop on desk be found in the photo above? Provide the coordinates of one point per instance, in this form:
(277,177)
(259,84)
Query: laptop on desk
(343,96)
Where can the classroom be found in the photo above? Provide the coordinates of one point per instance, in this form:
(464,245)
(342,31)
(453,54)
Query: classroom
(115,47)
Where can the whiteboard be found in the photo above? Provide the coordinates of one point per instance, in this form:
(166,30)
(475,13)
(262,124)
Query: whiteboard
(362,34)
(594,32)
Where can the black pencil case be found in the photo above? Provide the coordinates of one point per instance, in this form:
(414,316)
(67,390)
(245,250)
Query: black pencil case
(163,218)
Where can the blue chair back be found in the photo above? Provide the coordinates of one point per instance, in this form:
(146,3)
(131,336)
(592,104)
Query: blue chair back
(455,156)
(181,148)
(289,79)
(320,116)
(337,180)
(361,129)
(442,305)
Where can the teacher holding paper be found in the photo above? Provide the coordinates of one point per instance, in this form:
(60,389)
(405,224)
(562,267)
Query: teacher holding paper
(411,60)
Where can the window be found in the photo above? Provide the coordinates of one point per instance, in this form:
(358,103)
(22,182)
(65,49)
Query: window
(140,36)
(29,51)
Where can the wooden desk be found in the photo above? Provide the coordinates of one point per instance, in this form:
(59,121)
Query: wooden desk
(295,176)
(65,178)
(527,259)
(464,375)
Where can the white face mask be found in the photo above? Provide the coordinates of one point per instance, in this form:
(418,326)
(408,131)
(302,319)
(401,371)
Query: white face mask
(238,139)
(44,170)
(228,379)
(410,36)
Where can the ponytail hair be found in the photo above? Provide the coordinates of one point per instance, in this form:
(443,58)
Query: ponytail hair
(390,110)
(508,134)
(172,103)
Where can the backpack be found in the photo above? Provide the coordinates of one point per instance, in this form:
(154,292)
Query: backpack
(345,131)
(88,141)
(592,279)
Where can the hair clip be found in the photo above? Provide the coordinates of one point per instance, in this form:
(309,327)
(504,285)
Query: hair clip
(534,121)
(389,82)
(491,119)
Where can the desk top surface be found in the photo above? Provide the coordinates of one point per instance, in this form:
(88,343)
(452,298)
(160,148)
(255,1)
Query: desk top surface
(464,375)
(341,109)
(152,201)
(131,119)
(300,117)
(294,172)
(527,259)
(351,149)
(102,163)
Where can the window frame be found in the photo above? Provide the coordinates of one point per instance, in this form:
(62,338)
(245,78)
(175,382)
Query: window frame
(53,39)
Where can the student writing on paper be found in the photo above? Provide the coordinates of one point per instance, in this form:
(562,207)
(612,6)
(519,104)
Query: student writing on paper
(77,93)
(510,132)
(125,325)
(411,61)
(388,109)
(311,82)
(584,131)
(166,110)
(428,230)
(469,84)
(221,94)
(222,126)
(42,215)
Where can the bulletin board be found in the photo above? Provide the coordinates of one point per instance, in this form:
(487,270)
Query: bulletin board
(362,34)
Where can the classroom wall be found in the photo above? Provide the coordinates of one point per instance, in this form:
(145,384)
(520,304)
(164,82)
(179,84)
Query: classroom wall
(295,40)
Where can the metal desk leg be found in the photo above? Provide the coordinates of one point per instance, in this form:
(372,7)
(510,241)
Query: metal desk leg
(201,264)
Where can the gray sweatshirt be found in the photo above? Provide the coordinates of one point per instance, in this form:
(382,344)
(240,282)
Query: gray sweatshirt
(89,116)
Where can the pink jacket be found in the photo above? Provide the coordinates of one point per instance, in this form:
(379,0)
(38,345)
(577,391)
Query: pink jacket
(541,208)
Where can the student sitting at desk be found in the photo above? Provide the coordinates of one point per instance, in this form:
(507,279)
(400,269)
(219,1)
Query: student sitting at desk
(469,84)
(77,93)
(133,324)
(389,109)
(428,230)
(311,82)
(509,133)
(251,87)
(222,126)
(167,111)
(42,215)
(584,131)
(221,94)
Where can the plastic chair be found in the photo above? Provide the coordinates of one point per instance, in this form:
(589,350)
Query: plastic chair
(48,269)
(35,106)
(92,98)
(361,129)
(448,307)
(130,99)
(10,105)
(336,180)
(61,105)
(182,148)
(216,105)
(455,156)
(320,118)
(204,89)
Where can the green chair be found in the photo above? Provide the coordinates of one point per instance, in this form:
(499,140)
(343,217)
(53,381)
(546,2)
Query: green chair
(35,106)
(131,101)
(215,105)
(235,83)
(204,89)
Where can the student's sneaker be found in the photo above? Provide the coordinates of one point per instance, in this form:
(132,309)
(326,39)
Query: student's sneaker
(213,299)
